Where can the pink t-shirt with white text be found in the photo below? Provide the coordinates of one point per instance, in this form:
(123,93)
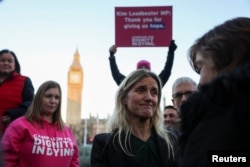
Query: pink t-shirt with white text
(29,145)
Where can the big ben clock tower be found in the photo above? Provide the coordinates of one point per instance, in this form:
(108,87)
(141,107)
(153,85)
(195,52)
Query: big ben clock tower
(75,85)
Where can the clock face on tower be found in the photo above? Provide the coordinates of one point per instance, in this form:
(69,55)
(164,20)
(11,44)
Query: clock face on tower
(75,77)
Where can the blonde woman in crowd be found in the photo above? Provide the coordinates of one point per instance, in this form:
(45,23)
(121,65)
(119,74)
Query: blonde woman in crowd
(137,136)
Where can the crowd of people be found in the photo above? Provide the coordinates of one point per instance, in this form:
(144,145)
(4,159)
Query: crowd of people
(205,117)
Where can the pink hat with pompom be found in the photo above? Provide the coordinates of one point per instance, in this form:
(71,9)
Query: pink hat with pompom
(143,64)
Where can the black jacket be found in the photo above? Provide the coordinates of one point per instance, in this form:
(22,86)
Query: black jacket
(105,154)
(216,119)
(164,75)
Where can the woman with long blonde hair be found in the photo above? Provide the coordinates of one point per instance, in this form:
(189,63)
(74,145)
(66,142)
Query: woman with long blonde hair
(137,136)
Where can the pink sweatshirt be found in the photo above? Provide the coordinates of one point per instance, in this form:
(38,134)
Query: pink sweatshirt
(26,145)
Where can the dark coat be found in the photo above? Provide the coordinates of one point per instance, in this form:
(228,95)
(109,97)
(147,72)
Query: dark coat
(164,75)
(105,154)
(216,119)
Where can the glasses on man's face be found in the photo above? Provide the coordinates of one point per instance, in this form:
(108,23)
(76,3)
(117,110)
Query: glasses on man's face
(178,96)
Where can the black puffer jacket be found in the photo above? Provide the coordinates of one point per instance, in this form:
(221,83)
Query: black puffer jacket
(216,118)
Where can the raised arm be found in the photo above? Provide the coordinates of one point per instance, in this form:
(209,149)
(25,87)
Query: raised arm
(166,72)
(117,76)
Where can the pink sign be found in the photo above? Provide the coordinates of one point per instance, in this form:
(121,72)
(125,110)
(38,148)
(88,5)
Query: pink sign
(143,26)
